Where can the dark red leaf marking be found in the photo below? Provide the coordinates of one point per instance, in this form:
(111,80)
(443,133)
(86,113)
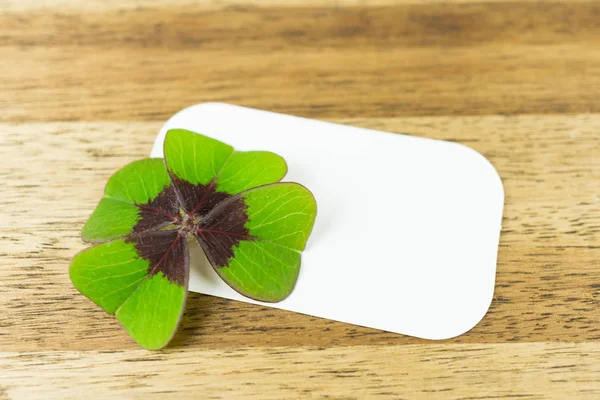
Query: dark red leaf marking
(222,230)
(216,219)
(161,211)
(166,252)
(197,200)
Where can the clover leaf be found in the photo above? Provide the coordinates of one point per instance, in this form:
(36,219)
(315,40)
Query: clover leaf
(251,227)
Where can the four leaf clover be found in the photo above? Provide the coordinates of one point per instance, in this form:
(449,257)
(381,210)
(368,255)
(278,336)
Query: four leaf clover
(251,227)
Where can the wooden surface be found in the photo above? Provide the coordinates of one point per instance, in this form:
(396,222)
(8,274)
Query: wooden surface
(86,85)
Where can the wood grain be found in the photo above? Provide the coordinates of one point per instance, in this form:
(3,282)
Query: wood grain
(85,86)
(554,371)
(383,61)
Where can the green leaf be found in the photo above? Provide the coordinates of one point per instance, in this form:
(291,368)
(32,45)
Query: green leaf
(137,199)
(108,273)
(245,170)
(251,228)
(281,213)
(142,279)
(206,171)
(152,313)
(193,157)
(138,182)
(111,219)
(254,239)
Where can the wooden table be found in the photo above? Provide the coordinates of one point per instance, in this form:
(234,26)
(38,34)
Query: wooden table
(85,86)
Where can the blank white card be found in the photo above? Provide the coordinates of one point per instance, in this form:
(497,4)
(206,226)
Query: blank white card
(407,229)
